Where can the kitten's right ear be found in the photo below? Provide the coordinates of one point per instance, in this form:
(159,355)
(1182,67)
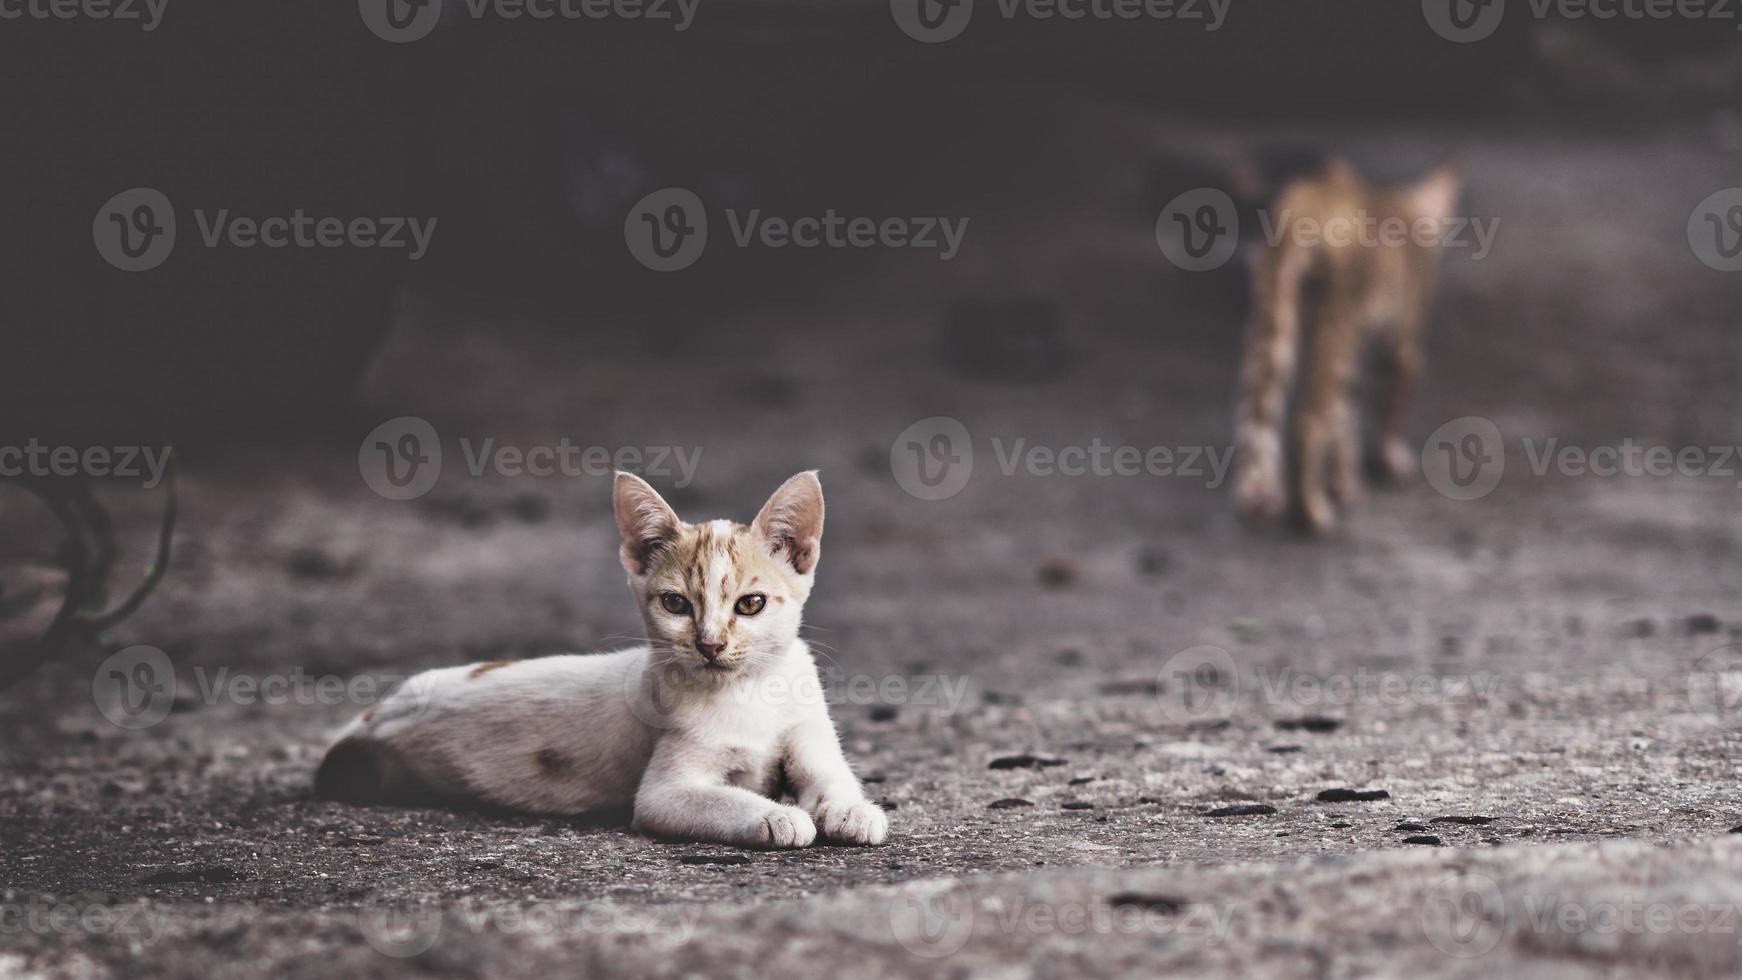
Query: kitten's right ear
(646,522)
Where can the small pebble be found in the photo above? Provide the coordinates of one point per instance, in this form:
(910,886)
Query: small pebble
(1149,687)
(1024,762)
(1056,573)
(1316,724)
(1343,794)
(1153,562)
(1165,904)
(1243,810)
(1428,839)
(530,508)
(1701,624)
(1008,804)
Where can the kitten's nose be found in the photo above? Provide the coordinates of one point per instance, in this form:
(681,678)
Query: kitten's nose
(709,651)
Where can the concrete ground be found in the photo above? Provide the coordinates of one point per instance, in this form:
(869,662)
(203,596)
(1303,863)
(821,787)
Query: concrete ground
(1529,695)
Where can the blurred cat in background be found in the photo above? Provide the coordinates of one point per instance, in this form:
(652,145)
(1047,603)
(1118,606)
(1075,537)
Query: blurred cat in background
(1346,265)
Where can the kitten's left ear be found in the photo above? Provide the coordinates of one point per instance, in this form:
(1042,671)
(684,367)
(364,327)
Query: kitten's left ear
(792,522)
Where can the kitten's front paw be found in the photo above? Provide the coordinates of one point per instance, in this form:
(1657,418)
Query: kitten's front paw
(784,826)
(855,822)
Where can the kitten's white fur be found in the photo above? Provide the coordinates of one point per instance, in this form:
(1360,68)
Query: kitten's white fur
(697,748)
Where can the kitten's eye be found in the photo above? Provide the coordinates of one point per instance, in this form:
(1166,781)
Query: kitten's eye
(673,603)
(750,605)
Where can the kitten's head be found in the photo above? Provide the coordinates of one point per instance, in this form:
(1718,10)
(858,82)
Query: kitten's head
(720,597)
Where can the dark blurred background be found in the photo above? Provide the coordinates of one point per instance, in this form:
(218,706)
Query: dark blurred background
(529,140)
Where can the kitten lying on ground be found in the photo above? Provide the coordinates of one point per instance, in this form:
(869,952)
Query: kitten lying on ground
(696,732)
(1341,291)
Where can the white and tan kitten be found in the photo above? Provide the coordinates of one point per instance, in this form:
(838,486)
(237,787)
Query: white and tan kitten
(696,732)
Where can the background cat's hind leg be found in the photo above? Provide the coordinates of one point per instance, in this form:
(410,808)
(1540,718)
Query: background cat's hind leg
(1267,372)
(1325,421)
(1398,375)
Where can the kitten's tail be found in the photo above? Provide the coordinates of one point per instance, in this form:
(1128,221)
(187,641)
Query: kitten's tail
(350,773)
(360,770)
